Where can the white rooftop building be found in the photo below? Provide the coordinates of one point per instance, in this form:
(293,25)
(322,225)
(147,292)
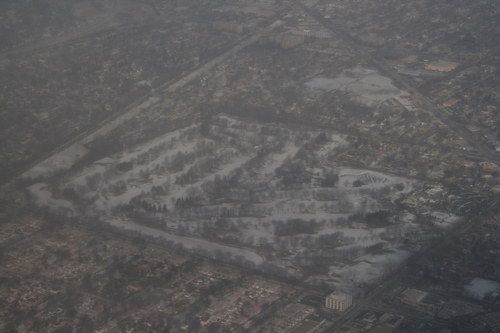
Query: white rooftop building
(338,301)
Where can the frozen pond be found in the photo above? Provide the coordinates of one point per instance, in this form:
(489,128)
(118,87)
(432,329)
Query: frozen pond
(367,87)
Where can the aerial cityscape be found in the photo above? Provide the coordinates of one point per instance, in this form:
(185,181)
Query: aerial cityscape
(262,166)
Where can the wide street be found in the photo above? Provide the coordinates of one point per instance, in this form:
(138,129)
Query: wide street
(440,112)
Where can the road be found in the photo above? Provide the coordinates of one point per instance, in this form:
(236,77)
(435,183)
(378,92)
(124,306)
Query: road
(132,110)
(148,100)
(373,301)
(440,112)
(449,75)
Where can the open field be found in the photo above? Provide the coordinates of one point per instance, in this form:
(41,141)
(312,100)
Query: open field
(253,193)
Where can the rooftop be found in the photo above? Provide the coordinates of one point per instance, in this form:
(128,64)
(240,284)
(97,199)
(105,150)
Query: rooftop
(414,295)
(339,296)
(455,308)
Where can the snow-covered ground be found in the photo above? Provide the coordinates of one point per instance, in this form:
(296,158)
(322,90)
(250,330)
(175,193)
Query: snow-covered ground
(366,86)
(70,155)
(189,242)
(445,220)
(479,288)
(44,197)
(189,164)
(371,179)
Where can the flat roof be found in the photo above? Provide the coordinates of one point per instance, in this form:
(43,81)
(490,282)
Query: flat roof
(339,296)
(455,308)
(414,295)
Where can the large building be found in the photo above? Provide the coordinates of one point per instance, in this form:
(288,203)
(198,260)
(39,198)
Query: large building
(420,299)
(455,308)
(338,301)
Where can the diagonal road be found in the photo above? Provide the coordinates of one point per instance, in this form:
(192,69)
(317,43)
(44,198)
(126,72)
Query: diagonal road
(146,101)
(440,112)
(372,301)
